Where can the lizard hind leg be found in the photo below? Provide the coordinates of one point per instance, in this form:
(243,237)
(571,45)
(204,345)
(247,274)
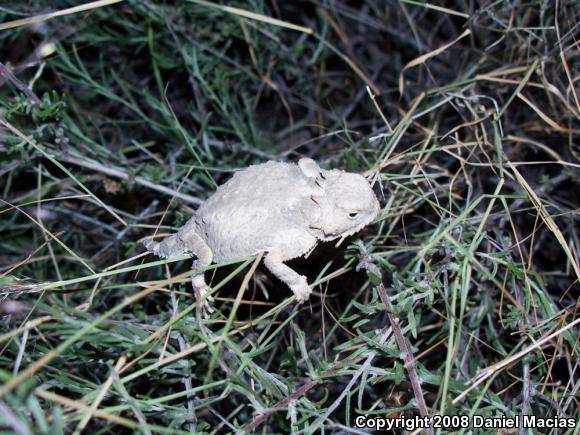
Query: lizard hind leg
(196,245)
(187,241)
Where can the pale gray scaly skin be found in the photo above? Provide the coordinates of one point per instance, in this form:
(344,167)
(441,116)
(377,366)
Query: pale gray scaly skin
(281,209)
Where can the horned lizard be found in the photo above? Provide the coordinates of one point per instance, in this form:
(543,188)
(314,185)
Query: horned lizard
(281,209)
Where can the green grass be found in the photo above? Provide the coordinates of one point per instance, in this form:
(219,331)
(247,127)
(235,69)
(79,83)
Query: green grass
(118,120)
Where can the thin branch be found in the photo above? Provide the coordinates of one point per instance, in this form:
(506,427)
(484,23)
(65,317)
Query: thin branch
(119,173)
(406,353)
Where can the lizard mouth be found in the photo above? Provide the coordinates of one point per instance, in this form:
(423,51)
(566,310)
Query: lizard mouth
(328,236)
(335,235)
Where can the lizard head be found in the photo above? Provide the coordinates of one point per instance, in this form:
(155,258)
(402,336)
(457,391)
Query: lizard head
(347,205)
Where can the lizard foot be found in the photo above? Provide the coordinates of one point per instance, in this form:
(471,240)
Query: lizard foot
(301,289)
(204,301)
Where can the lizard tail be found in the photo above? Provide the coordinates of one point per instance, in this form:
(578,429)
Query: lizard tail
(165,249)
(151,246)
(172,246)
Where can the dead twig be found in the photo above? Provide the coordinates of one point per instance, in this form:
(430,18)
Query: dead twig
(8,75)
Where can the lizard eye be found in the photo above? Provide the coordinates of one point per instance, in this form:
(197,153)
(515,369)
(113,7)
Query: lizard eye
(353,214)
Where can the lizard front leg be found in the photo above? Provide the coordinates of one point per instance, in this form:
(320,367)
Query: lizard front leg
(296,244)
(297,283)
